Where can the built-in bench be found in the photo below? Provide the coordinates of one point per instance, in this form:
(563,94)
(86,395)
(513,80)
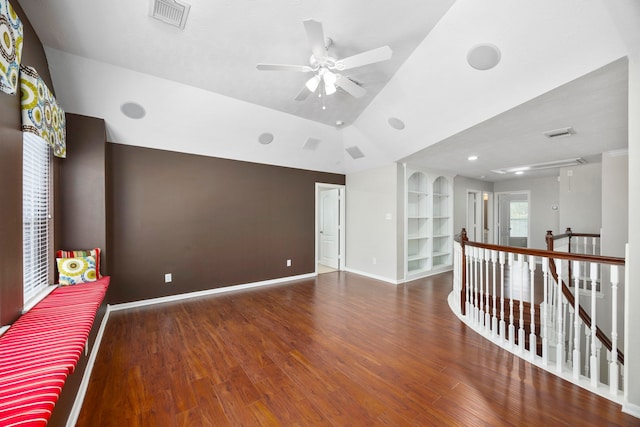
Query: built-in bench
(42,348)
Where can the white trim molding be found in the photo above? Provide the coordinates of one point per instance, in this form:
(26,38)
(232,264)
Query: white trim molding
(86,376)
(179,297)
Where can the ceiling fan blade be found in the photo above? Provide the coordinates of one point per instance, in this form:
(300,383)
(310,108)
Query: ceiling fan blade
(315,35)
(303,94)
(369,57)
(349,86)
(284,67)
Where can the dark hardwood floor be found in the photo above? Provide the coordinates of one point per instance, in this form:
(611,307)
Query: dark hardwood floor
(337,350)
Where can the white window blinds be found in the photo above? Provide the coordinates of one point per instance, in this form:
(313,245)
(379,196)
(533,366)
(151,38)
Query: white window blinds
(36,214)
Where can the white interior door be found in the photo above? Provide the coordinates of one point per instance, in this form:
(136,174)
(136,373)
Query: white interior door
(513,219)
(329,227)
(474,216)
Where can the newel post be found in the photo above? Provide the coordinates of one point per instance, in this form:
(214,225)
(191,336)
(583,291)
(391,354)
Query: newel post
(549,239)
(569,233)
(463,275)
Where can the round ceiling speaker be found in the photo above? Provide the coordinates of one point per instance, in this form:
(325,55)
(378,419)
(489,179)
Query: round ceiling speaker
(396,123)
(133,110)
(265,138)
(484,56)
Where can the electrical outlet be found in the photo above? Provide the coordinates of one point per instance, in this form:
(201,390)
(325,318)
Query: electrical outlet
(288,263)
(167,278)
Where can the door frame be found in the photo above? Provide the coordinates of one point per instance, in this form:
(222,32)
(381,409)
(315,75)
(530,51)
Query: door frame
(341,222)
(497,219)
(482,215)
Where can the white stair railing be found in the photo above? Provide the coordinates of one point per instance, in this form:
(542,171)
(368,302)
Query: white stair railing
(515,298)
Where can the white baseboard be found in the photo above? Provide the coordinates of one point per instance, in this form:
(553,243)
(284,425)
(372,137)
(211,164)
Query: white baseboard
(372,276)
(86,376)
(631,409)
(179,297)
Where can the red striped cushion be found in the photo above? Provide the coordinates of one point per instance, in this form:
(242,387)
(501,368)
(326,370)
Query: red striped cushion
(41,348)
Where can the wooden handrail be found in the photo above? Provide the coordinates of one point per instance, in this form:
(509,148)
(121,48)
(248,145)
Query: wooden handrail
(551,255)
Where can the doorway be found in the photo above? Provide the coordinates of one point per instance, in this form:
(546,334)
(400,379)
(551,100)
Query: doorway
(513,219)
(479,216)
(330,230)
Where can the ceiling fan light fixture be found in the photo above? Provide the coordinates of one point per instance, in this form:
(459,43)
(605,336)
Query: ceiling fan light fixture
(312,83)
(329,85)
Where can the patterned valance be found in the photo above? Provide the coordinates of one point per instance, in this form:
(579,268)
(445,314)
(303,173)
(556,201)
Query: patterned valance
(41,114)
(10,47)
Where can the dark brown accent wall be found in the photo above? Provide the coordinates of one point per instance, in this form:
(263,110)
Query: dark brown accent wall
(11,178)
(209,222)
(81,192)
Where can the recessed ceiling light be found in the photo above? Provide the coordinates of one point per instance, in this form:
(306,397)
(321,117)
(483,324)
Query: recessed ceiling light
(484,56)
(133,110)
(265,138)
(519,172)
(472,158)
(396,123)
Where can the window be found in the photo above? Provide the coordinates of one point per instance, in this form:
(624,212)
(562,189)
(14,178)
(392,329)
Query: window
(519,218)
(36,214)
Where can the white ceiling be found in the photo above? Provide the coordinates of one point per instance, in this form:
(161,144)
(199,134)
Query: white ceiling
(204,95)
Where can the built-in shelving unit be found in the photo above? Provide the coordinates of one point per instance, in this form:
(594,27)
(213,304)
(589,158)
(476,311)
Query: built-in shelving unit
(428,223)
(417,223)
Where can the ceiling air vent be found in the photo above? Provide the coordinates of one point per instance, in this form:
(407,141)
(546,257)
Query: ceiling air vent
(354,152)
(557,133)
(170,12)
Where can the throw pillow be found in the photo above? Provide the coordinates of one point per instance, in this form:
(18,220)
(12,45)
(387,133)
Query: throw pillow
(76,270)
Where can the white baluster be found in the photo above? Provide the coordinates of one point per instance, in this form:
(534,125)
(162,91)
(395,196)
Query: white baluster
(469,284)
(613,363)
(474,276)
(559,319)
(478,274)
(595,371)
(503,332)
(576,322)
(570,327)
(533,344)
(544,312)
(587,355)
(487,311)
(494,319)
(512,326)
(522,271)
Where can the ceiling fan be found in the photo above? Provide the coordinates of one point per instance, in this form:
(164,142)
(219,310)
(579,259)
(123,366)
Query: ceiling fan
(325,68)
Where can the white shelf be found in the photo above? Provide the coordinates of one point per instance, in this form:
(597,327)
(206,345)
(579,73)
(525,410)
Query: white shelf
(429,223)
(414,237)
(440,254)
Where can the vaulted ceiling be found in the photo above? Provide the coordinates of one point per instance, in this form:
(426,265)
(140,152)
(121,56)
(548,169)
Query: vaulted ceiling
(560,66)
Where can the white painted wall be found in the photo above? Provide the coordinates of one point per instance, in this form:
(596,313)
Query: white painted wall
(544,196)
(581,198)
(626,16)
(460,187)
(615,218)
(615,203)
(632,290)
(372,232)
